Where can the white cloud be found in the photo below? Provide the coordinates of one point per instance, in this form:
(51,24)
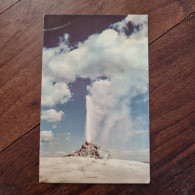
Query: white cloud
(137,20)
(54,92)
(51,115)
(46,136)
(102,54)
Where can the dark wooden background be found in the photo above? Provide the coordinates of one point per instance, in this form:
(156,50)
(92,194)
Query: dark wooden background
(171,53)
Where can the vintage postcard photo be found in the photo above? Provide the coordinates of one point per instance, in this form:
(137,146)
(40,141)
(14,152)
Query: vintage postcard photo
(95,100)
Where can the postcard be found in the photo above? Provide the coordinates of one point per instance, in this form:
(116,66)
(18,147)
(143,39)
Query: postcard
(95,100)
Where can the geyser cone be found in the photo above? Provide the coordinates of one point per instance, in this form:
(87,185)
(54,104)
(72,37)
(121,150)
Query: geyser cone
(91,150)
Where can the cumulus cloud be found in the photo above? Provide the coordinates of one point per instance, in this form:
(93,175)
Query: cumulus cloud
(101,55)
(122,59)
(46,136)
(139,21)
(51,115)
(54,92)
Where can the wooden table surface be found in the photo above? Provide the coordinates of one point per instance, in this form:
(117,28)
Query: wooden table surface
(171,53)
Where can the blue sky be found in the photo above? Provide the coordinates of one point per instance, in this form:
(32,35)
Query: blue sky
(95,83)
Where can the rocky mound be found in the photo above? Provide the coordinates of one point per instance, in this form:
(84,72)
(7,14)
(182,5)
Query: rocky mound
(91,150)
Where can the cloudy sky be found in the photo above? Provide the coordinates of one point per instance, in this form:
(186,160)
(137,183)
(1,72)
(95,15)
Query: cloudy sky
(95,83)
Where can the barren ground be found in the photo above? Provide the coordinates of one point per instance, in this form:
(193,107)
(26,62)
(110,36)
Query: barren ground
(89,170)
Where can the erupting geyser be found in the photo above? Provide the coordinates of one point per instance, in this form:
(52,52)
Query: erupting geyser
(88,121)
(90,149)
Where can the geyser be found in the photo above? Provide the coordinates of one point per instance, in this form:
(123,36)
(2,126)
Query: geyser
(88,122)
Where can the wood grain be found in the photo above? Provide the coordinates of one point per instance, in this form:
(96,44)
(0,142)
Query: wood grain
(21,46)
(172,136)
(6,4)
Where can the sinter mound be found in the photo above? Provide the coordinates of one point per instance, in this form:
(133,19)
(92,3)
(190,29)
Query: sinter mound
(91,150)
